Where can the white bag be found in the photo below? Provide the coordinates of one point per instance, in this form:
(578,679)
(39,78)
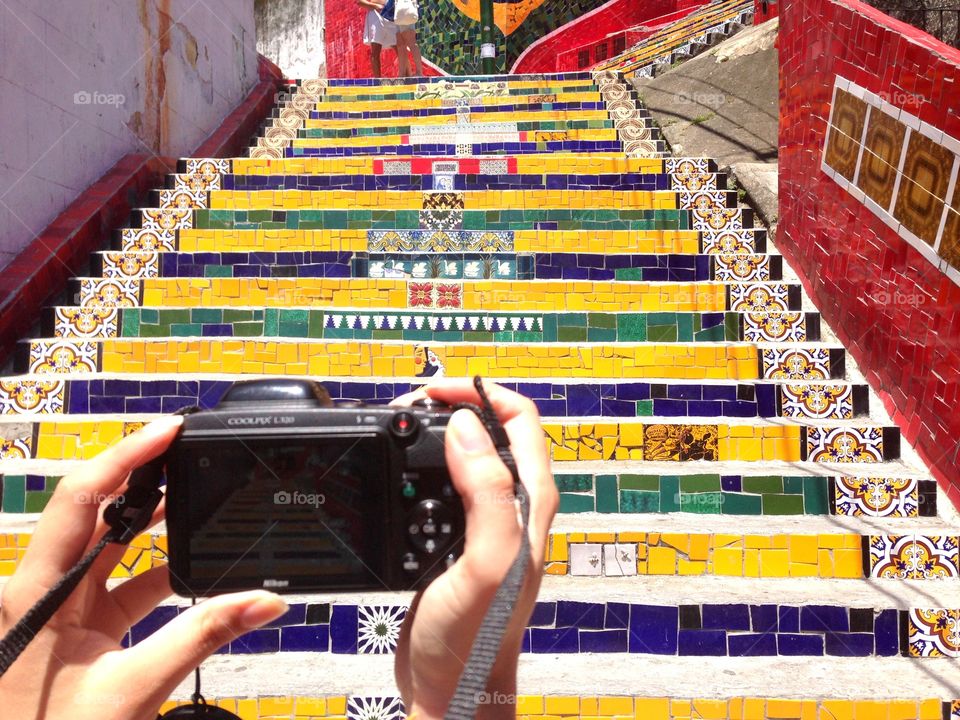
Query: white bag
(406,12)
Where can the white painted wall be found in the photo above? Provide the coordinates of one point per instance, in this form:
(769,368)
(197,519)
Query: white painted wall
(84,82)
(291,32)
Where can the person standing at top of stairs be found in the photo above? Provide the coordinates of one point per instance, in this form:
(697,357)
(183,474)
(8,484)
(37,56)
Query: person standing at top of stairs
(406,41)
(377,33)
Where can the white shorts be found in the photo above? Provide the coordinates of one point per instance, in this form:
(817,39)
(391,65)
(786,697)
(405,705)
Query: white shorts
(377,31)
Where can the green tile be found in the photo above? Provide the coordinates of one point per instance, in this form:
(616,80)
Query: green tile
(631,327)
(731,326)
(640,482)
(575,503)
(232,315)
(186,329)
(271,322)
(782,504)
(685,326)
(816,500)
(36,501)
(669,493)
(131,322)
(206,315)
(571,335)
(662,333)
(218,271)
(149,316)
(601,335)
(639,501)
(14,493)
(793,485)
(763,484)
(644,408)
(628,274)
(602,320)
(740,504)
(248,329)
(607,494)
(573,483)
(701,503)
(699,483)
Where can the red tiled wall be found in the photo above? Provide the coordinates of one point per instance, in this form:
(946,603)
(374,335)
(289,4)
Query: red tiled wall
(763,11)
(593,28)
(894,310)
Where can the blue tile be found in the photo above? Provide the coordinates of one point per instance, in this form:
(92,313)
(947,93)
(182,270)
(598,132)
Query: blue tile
(603,641)
(550,640)
(795,644)
(684,392)
(153,622)
(343,629)
(266,640)
(618,616)
(702,642)
(295,615)
(766,398)
(849,644)
(544,613)
(309,638)
(726,617)
(525,644)
(789,619)
(719,392)
(886,630)
(753,644)
(731,483)
(824,618)
(580,614)
(653,629)
(763,618)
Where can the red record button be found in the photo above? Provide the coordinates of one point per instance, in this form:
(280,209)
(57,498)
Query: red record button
(403,424)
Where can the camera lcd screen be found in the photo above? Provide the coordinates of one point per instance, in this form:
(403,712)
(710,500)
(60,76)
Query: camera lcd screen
(293,513)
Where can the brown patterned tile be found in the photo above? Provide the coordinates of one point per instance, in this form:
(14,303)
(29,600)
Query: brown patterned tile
(950,242)
(680,442)
(881,156)
(926,174)
(845,130)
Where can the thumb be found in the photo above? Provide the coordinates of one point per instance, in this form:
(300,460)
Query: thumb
(165,658)
(486,488)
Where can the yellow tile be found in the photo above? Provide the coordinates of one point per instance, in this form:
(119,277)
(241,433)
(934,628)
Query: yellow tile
(710,709)
(728,561)
(687,567)
(530,705)
(803,548)
(902,710)
(836,710)
(562,704)
(613,705)
(662,561)
(870,710)
(754,709)
(783,709)
(751,562)
(774,563)
(847,564)
(930,709)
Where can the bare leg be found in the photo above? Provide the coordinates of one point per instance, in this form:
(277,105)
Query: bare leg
(375,49)
(403,62)
(408,39)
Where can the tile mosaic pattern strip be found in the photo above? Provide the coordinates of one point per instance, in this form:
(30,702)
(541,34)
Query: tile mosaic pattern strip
(900,168)
(573,707)
(731,555)
(731,630)
(913,557)
(884,497)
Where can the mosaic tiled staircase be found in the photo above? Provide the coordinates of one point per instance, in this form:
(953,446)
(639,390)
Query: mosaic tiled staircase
(731,503)
(683,39)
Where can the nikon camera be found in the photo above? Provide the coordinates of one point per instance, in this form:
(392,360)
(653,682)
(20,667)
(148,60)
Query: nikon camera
(278,488)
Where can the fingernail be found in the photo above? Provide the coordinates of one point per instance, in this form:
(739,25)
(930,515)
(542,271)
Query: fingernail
(161,425)
(265,608)
(469,432)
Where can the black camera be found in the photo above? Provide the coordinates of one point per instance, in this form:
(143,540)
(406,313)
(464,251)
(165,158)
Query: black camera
(279,488)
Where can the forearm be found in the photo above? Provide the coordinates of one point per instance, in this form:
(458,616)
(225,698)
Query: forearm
(370,4)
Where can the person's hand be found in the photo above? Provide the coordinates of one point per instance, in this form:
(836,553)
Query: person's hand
(439,628)
(75,667)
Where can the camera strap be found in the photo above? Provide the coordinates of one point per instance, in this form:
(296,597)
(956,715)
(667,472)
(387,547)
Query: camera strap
(486,645)
(131,513)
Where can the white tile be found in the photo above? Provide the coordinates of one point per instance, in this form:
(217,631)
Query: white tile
(842,83)
(951,143)
(586,559)
(931,132)
(911,121)
(619,560)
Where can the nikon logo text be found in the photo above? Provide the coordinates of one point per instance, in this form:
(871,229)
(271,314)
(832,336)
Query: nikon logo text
(276,583)
(260,420)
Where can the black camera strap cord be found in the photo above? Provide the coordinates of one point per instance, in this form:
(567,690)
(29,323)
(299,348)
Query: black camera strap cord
(130,514)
